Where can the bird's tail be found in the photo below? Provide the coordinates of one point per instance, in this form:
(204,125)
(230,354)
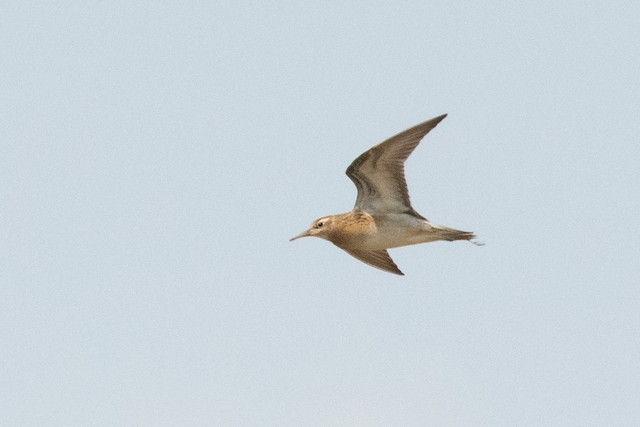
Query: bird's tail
(451,234)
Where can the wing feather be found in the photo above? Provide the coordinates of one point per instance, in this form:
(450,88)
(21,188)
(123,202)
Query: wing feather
(378,259)
(378,173)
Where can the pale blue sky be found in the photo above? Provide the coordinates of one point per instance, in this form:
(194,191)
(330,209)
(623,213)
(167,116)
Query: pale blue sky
(156,157)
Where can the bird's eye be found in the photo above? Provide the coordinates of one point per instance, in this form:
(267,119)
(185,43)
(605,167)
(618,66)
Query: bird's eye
(319,224)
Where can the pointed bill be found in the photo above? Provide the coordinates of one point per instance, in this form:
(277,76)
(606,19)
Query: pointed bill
(305,233)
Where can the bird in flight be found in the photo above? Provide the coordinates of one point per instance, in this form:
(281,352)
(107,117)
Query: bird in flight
(383,217)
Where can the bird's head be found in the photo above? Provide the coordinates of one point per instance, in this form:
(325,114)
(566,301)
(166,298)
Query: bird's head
(321,227)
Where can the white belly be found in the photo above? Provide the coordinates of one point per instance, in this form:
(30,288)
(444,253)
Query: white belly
(397,230)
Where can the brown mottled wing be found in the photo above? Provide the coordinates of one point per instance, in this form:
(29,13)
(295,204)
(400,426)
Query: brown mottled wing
(378,259)
(378,173)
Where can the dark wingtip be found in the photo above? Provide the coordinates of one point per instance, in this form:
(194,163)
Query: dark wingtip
(441,117)
(396,271)
(431,123)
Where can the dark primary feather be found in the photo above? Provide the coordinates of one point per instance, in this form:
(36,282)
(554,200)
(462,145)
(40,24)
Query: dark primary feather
(378,173)
(378,259)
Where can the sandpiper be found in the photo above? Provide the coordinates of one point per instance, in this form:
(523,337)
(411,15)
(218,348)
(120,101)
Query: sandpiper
(383,217)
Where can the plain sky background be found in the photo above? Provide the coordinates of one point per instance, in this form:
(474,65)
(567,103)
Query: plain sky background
(156,157)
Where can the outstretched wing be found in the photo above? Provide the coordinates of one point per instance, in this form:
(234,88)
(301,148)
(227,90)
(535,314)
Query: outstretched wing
(378,173)
(378,259)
